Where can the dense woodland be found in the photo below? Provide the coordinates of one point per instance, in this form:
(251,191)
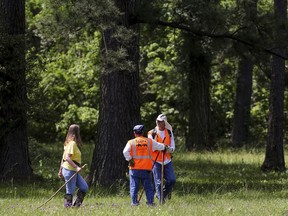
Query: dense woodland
(215,68)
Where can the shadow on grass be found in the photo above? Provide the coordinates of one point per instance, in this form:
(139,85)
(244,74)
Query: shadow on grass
(30,189)
(198,176)
(209,177)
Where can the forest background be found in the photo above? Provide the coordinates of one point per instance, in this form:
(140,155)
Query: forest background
(215,68)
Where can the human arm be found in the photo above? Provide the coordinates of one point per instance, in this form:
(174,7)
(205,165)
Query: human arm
(71,162)
(157,146)
(60,175)
(161,147)
(126,152)
(127,155)
(150,136)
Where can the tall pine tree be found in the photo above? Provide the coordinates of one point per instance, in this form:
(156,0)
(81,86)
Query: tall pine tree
(14,156)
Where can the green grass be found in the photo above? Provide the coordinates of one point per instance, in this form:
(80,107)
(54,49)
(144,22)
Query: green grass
(219,183)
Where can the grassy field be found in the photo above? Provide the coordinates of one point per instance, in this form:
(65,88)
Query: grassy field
(220,183)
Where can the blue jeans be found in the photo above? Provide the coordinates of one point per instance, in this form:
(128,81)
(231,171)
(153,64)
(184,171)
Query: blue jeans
(144,177)
(76,181)
(169,177)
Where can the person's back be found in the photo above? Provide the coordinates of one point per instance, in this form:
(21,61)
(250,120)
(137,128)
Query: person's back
(141,150)
(138,153)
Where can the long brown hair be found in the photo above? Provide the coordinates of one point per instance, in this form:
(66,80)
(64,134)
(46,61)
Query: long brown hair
(73,135)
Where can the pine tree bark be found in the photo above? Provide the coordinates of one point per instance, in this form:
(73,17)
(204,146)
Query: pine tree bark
(14,155)
(274,157)
(199,77)
(120,103)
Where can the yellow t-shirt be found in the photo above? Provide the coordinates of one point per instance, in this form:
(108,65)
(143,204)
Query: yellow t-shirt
(71,148)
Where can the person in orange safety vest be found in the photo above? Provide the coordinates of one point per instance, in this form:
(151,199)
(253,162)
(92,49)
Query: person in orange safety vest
(138,153)
(162,133)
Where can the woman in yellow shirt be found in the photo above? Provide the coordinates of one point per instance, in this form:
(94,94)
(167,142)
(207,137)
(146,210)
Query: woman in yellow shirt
(71,163)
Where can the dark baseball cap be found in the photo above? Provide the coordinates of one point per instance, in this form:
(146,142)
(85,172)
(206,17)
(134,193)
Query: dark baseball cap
(138,129)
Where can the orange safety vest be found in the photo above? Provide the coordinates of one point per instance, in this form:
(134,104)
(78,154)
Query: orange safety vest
(141,152)
(166,141)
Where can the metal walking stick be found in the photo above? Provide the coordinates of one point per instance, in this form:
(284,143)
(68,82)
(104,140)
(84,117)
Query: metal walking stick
(60,188)
(162,180)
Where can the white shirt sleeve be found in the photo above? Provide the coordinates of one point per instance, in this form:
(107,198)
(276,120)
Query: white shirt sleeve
(157,146)
(126,152)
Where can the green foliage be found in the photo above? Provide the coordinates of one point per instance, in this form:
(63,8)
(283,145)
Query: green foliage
(85,116)
(63,75)
(162,85)
(259,108)
(45,158)
(222,97)
(71,84)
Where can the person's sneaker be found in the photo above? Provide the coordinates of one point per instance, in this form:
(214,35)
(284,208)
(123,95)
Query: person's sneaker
(169,195)
(68,200)
(135,204)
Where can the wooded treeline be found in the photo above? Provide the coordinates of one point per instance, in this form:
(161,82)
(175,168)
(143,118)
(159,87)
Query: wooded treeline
(215,68)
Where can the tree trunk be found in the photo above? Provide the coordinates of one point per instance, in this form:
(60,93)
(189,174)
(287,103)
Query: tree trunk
(274,157)
(14,156)
(120,106)
(199,102)
(241,120)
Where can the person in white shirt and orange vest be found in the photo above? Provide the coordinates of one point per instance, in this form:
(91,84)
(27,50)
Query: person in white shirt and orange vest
(138,153)
(162,133)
